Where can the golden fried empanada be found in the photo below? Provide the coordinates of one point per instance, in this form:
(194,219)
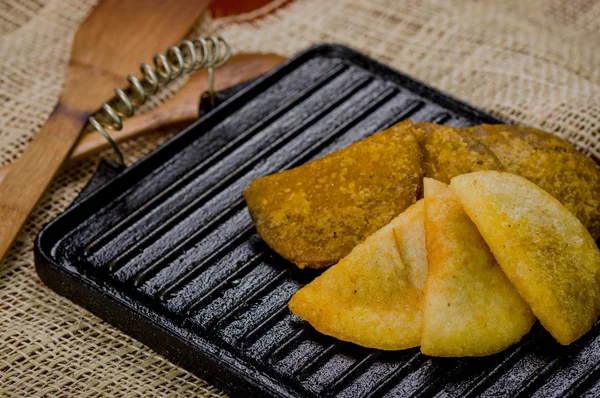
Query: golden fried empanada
(543,249)
(372,297)
(470,307)
(315,214)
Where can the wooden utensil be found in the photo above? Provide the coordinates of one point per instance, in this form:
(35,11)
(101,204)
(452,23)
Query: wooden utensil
(108,45)
(179,110)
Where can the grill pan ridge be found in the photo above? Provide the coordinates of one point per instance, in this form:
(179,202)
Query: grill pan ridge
(166,251)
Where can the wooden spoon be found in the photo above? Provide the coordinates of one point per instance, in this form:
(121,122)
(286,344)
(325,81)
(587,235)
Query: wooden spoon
(111,43)
(179,110)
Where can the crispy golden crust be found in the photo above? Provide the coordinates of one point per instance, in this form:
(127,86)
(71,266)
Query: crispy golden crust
(470,307)
(543,249)
(448,152)
(315,214)
(551,163)
(372,297)
(409,232)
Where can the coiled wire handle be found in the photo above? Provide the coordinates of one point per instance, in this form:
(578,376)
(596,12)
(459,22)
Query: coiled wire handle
(203,52)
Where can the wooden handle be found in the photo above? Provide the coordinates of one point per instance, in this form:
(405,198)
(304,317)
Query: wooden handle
(22,188)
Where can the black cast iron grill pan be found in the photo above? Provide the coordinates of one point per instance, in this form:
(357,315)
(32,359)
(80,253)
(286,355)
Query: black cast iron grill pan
(166,251)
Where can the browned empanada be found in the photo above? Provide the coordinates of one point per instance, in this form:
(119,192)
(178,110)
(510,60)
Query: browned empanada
(313,215)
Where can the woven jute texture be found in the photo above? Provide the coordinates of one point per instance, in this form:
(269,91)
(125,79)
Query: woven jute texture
(534,62)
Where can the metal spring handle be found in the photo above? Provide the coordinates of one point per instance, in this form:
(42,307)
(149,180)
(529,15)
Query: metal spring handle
(203,52)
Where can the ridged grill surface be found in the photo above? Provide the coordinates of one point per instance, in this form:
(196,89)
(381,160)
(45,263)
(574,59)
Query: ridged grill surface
(169,247)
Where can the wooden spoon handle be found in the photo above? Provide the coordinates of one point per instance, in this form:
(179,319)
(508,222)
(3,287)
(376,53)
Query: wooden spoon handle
(22,188)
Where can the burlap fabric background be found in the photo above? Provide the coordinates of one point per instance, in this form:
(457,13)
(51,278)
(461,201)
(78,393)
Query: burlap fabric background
(532,62)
